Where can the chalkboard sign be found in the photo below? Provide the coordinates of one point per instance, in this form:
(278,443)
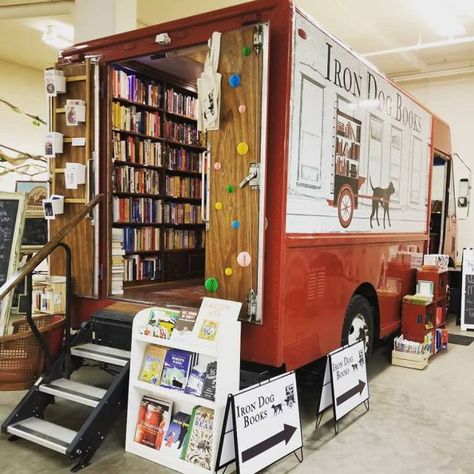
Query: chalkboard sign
(467,293)
(12,215)
(36,232)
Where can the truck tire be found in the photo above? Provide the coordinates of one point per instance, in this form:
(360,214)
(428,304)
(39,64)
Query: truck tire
(359,323)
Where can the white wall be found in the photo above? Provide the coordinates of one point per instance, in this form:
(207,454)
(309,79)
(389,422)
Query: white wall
(452,98)
(23,87)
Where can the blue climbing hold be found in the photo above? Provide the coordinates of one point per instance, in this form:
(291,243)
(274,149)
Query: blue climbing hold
(235,224)
(234,80)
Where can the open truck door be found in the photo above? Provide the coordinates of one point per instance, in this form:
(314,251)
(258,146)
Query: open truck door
(80,145)
(234,168)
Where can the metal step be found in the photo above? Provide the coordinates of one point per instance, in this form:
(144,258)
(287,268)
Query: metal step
(44,433)
(106,354)
(74,391)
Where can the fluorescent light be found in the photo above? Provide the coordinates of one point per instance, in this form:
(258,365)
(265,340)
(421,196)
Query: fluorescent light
(52,38)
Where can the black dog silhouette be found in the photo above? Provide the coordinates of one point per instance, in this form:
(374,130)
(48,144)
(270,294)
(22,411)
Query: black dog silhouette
(277,409)
(381,196)
(355,367)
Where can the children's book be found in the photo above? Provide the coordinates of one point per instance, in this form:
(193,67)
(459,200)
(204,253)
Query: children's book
(176,369)
(153,363)
(208,330)
(209,388)
(176,434)
(198,445)
(184,326)
(153,421)
(162,322)
(196,380)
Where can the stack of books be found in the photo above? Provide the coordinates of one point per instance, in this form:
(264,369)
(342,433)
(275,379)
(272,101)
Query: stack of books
(117,261)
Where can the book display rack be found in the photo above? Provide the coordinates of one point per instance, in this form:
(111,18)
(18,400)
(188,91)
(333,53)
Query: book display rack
(184,364)
(156,177)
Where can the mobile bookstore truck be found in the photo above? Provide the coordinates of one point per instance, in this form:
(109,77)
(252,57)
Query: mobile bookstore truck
(310,202)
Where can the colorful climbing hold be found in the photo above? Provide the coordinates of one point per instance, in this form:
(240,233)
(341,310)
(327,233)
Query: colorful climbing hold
(242,108)
(234,80)
(246,51)
(235,224)
(242,148)
(228,271)
(244,259)
(230,188)
(217,166)
(211,284)
(218,205)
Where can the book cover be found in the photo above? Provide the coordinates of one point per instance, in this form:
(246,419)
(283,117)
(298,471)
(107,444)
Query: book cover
(176,369)
(208,330)
(184,325)
(176,434)
(153,421)
(209,388)
(196,381)
(198,446)
(163,321)
(153,363)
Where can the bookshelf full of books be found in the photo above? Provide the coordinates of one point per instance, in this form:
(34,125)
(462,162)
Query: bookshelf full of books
(156,177)
(184,364)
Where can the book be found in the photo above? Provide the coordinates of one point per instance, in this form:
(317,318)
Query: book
(184,326)
(198,446)
(163,321)
(153,363)
(176,434)
(153,421)
(209,388)
(196,380)
(176,369)
(208,330)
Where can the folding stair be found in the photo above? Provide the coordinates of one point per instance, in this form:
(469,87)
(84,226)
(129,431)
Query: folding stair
(29,419)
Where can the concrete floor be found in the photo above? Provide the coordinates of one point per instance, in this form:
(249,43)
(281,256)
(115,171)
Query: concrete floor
(419,422)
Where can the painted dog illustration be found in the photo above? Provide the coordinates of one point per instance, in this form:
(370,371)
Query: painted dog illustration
(381,196)
(277,409)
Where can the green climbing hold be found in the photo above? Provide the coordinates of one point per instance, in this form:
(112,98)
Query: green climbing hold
(230,188)
(246,50)
(211,284)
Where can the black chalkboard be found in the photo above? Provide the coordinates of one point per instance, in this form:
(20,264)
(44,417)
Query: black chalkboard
(36,231)
(8,217)
(469,299)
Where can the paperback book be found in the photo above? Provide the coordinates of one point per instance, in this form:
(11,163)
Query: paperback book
(176,369)
(209,388)
(184,326)
(153,363)
(153,421)
(198,446)
(176,434)
(196,381)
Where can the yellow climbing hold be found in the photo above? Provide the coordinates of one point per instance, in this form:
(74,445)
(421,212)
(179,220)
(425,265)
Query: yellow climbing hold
(228,271)
(218,205)
(242,148)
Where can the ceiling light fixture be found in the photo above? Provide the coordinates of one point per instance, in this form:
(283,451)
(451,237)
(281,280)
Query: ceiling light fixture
(52,38)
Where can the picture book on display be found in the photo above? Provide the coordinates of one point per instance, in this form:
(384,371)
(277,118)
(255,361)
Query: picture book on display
(161,323)
(176,369)
(209,388)
(153,421)
(196,381)
(176,434)
(183,329)
(153,363)
(198,446)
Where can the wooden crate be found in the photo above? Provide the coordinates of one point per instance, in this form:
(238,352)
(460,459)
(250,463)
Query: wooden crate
(412,361)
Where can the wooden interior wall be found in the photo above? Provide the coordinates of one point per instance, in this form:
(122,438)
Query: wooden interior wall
(223,242)
(81,240)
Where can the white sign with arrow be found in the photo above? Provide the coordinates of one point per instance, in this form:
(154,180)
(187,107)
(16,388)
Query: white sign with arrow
(346,377)
(266,425)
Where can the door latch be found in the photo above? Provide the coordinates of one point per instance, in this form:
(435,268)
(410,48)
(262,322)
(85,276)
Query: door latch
(253,178)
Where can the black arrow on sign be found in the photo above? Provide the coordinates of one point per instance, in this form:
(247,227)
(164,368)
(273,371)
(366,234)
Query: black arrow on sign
(351,392)
(284,435)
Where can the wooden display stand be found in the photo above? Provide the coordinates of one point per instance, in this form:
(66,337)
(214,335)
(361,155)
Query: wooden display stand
(49,295)
(226,351)
(420,319)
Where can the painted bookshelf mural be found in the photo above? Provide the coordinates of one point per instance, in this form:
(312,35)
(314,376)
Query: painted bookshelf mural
(359,149)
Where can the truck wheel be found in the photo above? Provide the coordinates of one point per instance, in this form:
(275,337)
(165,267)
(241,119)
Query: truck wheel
(359,323)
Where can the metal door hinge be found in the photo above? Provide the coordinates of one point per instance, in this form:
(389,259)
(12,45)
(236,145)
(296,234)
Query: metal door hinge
(258,40)
(252,305)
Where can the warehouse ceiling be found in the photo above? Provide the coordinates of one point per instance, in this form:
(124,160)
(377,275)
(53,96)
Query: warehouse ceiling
(401,37)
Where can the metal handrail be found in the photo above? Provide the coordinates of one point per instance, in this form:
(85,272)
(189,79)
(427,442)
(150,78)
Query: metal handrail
(47,249)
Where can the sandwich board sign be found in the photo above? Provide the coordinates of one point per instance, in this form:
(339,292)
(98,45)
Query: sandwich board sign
(345,384)
(261,425)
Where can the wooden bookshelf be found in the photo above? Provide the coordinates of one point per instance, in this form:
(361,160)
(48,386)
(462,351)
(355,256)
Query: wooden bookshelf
(152,113)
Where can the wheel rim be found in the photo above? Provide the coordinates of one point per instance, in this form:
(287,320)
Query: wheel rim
(359,331)
(346,207)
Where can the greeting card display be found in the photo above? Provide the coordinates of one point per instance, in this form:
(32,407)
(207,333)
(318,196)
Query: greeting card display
(75,111)
(53,206)
(74,174)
